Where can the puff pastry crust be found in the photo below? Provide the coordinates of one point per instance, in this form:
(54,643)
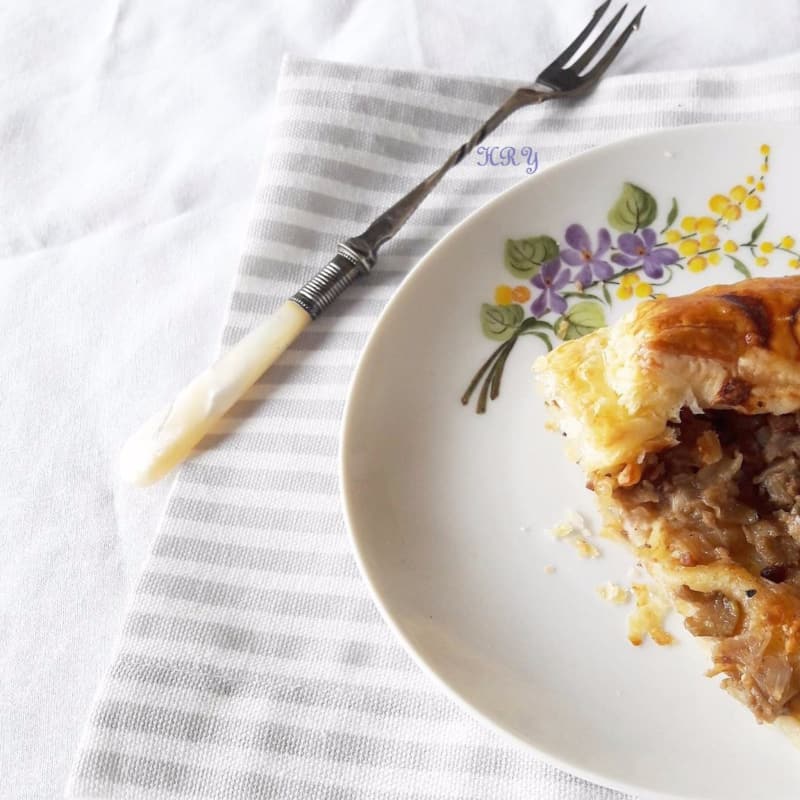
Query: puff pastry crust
(614,391)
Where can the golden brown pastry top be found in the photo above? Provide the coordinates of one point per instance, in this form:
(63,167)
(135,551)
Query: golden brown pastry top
(724,323)
(735,346)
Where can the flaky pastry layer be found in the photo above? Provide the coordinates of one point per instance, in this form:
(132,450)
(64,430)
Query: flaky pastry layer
(614,391)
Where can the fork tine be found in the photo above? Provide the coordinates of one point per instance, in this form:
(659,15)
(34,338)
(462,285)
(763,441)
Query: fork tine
(562,59)
(605,62)
(593,49)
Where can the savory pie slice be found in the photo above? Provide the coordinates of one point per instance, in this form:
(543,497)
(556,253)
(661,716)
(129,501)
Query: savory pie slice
(685,416)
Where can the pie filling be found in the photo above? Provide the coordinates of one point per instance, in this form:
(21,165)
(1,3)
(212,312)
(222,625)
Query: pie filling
(720,512)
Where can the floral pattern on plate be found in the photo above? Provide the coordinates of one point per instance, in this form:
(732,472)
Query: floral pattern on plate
(563,287)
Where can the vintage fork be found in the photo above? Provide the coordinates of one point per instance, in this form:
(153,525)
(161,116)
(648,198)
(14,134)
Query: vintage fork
(169,436)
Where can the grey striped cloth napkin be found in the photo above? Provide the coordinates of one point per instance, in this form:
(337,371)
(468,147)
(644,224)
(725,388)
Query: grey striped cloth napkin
(252,662)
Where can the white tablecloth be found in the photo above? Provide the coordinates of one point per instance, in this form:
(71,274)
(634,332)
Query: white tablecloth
(131,139)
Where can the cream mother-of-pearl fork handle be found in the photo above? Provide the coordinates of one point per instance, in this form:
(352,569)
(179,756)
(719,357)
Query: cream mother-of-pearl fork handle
(168,437)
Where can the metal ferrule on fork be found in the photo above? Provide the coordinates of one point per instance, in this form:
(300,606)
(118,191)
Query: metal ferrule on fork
(352,260)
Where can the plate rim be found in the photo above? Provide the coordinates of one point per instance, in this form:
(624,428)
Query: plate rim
(348,423)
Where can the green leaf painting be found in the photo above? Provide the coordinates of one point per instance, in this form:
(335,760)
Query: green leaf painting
(580,319)
(499,323)
(525,257)
(635,209)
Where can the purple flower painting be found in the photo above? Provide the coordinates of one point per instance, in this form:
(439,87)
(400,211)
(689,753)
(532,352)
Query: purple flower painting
(641,249)
(550,280)
(582,254)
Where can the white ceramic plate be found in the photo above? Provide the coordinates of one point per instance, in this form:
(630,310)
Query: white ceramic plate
(449,509)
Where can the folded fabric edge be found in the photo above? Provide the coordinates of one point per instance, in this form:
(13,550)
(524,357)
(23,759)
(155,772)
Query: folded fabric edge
(295,64)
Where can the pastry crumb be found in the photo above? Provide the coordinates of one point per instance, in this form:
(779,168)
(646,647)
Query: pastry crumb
(574,529)
(578,523)
(613,593)
(561,531)
(647,619)
(573,522)
(549,569)
(585,549)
